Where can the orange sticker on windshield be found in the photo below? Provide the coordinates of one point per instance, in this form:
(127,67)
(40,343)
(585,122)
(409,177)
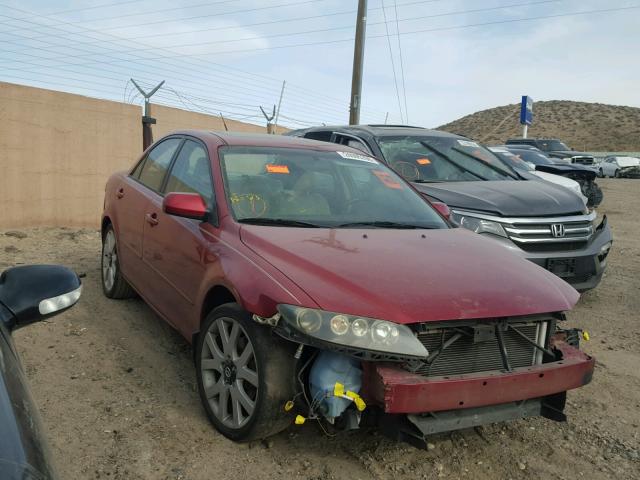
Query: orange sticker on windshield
(423,161)
(277,168)
(387,179)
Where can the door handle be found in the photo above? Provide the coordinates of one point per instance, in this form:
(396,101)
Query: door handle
(120,193)
(152,219)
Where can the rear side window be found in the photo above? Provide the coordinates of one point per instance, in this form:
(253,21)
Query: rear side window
(157,163)
(191,172)
(323,136)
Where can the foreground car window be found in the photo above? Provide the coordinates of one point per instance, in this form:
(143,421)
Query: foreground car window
(191,172)
(319,188)
(442,159)
(157,162)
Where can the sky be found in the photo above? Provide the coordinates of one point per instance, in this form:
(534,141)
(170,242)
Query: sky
(231,57)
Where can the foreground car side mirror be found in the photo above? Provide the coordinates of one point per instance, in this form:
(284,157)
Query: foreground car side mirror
(187,205)
(35,292)
(443,209)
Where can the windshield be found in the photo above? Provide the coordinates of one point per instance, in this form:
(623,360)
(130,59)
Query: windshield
(532,156)
(513,160)
(442,159)
(552,145)
(308,188)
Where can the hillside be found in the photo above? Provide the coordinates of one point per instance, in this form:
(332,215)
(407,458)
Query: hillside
(583,126)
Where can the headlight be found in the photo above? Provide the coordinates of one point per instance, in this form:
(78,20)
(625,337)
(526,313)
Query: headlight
(477,225)
(352,332)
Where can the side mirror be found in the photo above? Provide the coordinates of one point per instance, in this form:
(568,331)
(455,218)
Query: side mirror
(35,292)
(443,209)
(187,205)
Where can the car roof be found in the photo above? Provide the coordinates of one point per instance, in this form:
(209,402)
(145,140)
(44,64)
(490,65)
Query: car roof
(261,140)
(379,130)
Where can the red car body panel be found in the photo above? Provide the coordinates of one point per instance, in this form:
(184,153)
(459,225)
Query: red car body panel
(400,391)
(409,276)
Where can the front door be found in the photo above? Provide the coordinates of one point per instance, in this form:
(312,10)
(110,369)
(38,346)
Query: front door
(175,249)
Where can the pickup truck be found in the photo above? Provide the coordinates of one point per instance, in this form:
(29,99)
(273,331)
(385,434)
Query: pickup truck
(546,223)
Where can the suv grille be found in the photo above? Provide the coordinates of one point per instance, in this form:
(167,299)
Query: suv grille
(563,234)
(472,349)
(582,160)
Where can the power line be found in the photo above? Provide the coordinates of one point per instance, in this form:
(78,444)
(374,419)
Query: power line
(207,63)
(307,32)
(94,7)
(393,65)
(404,88)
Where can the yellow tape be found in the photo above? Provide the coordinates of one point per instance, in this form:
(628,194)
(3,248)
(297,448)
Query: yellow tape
(338,390)
(300,420)
(288,406)
(586,336)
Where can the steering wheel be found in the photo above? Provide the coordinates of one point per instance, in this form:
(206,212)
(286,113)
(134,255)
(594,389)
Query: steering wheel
(406,170)
(249,205)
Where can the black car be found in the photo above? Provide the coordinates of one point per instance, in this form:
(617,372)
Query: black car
(582,174)
(546,223)
(27,294)
(554,148)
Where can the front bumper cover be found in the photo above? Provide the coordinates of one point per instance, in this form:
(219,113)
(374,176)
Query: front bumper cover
(399,391)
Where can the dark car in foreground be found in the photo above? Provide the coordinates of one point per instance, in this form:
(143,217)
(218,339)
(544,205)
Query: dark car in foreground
(545,223)
(27,294)
(316,284)
(583,175)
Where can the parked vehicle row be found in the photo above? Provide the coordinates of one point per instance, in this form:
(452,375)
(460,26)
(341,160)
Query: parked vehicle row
(583,175)
(317,284)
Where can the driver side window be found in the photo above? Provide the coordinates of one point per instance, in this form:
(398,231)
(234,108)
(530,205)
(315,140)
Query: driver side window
(191,172)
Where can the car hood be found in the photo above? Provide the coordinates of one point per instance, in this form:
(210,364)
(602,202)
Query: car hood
(569,168)
(568,153)
(628,162)
(409,276)
(508,198)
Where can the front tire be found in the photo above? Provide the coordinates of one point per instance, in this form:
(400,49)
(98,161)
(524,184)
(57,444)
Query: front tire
(617,174)
(113,283)
(245,375)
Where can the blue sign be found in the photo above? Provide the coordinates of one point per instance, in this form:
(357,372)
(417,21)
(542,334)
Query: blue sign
(526,110)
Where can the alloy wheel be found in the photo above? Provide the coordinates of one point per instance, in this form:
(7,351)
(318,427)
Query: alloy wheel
(109,260)
(229,373)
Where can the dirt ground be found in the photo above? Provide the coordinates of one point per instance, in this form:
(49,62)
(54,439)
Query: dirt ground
(117,393)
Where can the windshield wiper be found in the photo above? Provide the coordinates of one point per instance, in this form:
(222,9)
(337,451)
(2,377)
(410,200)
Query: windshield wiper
(279,222)
(450,160)
(380,224)
(484,162)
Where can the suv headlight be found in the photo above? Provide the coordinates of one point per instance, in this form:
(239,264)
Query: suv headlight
(477,225)
(360,334)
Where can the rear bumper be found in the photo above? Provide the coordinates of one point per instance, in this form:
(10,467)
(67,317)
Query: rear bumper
(400,391)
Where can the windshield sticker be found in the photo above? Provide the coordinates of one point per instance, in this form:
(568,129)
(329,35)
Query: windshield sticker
(467,143)
(387,180)
(277,169)
(357,156)
(423,161)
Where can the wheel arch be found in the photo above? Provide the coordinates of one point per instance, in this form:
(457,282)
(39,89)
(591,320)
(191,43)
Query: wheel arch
(106,221)
(216,296)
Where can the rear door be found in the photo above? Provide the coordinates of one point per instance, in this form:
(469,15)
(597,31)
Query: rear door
(132,197)
(175,249)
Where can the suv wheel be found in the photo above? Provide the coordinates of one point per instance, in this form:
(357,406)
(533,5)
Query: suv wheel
(245,375)
(113,283)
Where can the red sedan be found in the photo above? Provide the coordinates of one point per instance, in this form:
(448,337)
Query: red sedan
(316,284)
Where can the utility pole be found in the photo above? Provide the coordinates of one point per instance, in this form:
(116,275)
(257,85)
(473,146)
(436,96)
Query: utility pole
(358,60)
(275,127)
(147,120)
(269,118)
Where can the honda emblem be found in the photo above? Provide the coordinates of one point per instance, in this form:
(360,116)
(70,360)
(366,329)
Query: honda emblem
(557,230)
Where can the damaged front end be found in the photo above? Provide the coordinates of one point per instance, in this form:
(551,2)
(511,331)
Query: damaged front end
(466,373)
(583,175)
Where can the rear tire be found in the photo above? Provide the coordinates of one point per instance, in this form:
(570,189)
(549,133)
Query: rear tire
(245,375)
(113,283)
